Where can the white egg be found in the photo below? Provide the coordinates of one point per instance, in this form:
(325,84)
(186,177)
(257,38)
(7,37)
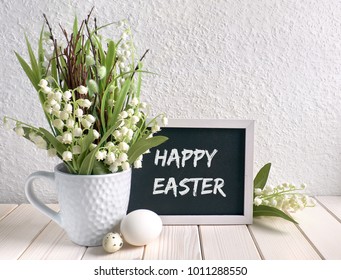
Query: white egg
(141,227)
(112,242)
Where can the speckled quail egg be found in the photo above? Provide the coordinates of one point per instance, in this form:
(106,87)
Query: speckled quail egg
(112,242)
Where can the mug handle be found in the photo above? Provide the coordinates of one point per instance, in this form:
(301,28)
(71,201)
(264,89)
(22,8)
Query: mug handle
(32,198)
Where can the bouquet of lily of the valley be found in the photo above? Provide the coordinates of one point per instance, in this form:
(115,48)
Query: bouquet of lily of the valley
(89,89)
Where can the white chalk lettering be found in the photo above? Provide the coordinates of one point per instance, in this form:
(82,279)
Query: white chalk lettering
(171,186)
(174,156)
(206,186)
(157,185)
(190,186)
(198,155)
(210,157)
(163,157)
(183,185)
(186,156)
(195,185)
(218,185)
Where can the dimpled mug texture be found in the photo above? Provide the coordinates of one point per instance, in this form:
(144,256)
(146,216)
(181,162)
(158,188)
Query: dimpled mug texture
(92,205)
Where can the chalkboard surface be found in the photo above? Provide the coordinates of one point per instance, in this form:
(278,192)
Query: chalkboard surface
(199,175)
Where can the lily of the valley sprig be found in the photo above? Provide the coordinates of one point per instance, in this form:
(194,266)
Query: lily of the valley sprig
(279,201)
(89,88)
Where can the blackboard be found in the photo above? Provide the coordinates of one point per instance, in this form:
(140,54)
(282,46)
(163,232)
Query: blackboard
(201,175)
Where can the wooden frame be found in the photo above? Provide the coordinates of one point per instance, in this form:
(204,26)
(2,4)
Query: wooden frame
(247,216)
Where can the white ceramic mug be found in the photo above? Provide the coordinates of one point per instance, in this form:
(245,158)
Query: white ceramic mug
(90,205)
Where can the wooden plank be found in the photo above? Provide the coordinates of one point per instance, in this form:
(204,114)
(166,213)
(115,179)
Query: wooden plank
(278,239)
(19,229)
(53,244)
(5,209)
(322,229)
(332,203)
(227,243)
(175,243)
(127,252)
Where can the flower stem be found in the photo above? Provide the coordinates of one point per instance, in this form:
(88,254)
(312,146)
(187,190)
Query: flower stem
(280,193)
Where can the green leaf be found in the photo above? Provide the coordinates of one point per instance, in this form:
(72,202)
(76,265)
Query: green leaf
(142,145)
(60,147)
(101,53)
(34,64)
(88,163)
(54,72)
(104,108)
(28,71)
(75,27)
(262,177)
(27,131)
(100,168)
(109,60)
(41,51)
(86,142)
(263,210)
(63,65)
(120,101)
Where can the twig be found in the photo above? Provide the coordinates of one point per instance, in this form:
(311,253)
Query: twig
(54,45)
(137,66)
(49,26)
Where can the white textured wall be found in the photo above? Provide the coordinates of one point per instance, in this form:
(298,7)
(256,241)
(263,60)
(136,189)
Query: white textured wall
(277,62)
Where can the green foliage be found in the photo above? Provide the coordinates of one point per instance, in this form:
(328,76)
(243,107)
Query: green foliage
(61,148)
(87,165)
(265,210)
(120,102)
(28,71)
(262,177)
(142,145)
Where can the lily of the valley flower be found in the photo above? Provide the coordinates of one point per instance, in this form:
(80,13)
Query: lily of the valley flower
(67,138)
(85,103)
(123,146)
(82,90)
(78,112)
(40,142)
(164,121)
(67,95)
(76,150)
(125,166)
(77,132)
(85,123)
(43,83)
(20,131)
(67,156)
(58,123)
(138,164)
(101,155)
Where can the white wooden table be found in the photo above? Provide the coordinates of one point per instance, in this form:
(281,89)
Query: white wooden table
(27,234)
